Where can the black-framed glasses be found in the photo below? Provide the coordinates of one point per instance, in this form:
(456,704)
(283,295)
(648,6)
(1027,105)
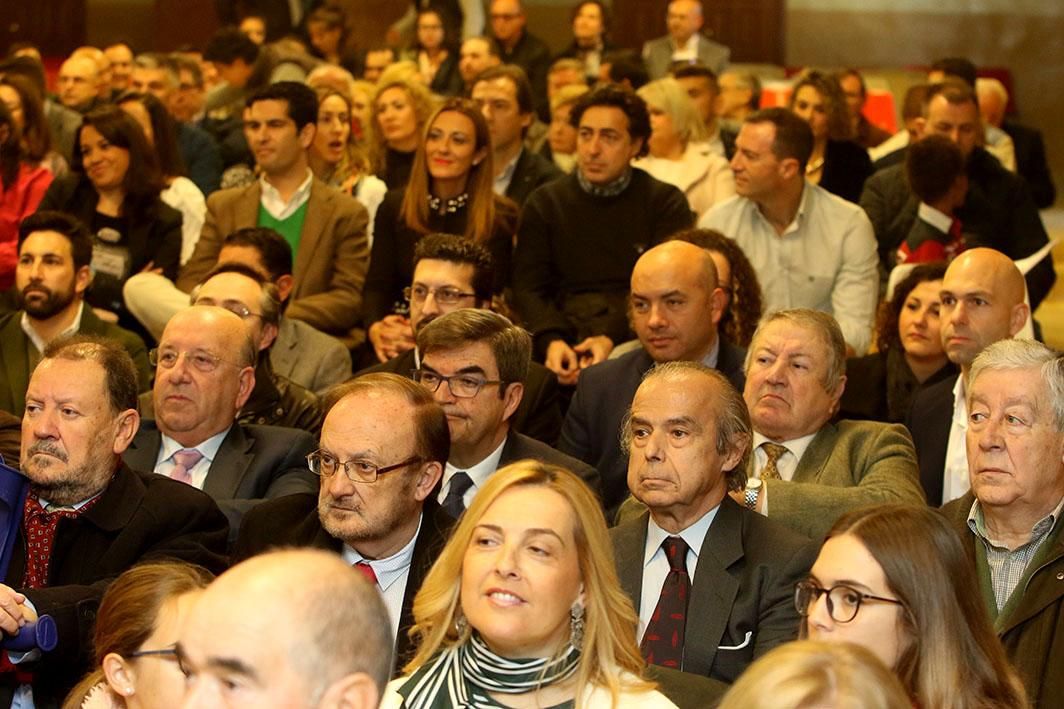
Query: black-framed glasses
(166,653)
(463,386)
(199,360)
(324,464)
(843,601)
(447,295)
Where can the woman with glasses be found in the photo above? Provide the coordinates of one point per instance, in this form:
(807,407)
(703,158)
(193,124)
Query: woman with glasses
(896,580)
(136,627)
(450,192)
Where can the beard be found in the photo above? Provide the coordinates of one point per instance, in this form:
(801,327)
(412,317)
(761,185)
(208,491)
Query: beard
(42,308)
(69,486)
(360,521)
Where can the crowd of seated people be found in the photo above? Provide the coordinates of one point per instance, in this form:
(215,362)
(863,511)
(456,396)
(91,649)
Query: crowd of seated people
(445,372)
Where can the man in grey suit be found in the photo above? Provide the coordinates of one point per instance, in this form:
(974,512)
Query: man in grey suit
(732,571)
(807,470)
(205,371)
(475,362)
(685,42)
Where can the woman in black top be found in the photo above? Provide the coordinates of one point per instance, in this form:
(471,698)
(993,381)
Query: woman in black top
(114,189)
(436,54)
(881,386)
(400,110)
(837,164)
(450,191)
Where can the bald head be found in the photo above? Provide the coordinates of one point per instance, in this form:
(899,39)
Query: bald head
(284,620)
(77,82)
(982,302)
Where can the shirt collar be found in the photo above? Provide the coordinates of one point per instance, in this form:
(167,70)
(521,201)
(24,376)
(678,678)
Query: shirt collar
(390,569)
(711,358)
(694,535)
(960,404)
(796,446)
(977,523)
(935,218)
(480,472)
(208,448)
(276,206)
(504,178)
(610,189)
(38,341)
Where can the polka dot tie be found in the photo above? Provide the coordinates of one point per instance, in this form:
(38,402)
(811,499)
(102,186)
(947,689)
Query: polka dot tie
(39,526)
(663,639)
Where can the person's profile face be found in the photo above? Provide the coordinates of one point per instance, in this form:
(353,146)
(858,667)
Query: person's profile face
(156,680)
(758,172)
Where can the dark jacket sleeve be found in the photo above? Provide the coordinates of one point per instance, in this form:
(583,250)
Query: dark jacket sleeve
(673,214)
(165,240)
(534,278)
(382,277)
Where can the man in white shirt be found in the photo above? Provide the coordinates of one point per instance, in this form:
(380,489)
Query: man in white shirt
(810,249)
(982,302)
(689,435)
(685,42)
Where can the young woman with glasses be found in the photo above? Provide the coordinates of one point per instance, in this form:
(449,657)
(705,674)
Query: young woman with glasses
(896,580)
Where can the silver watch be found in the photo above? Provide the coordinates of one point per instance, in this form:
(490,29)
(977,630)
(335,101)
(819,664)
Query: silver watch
(753,489)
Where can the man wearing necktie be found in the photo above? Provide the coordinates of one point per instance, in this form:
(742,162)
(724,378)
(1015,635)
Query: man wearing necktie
(713,582)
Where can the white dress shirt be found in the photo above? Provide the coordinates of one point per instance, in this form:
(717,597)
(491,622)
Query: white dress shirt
(478,473)
(787,463)
(955,480)
(392,574)
(38,341)
(273,203)
(164,462)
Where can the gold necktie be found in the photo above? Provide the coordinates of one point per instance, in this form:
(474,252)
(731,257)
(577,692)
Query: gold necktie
(773,451)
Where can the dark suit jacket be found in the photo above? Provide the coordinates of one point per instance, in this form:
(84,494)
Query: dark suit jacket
(539,414)
(520,447)
(15,363)
(1031,162)
(846,167)
(293,521)
(139,517)
(929,422)
(203,161)
(530,172)
(592,428)
(742,596)
(254,463)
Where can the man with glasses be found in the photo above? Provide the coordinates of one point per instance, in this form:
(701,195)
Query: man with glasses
(516,46)
(452,273)
(383,448)
(205,371)
(475,363)
(712,582)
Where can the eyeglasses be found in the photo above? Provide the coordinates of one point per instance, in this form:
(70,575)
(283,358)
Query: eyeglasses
(324,464)
(843,601)
(463,386)
(201,361)
(444,296)
(167,653)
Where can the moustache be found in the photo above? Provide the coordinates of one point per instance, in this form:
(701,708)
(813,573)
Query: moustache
(48,448)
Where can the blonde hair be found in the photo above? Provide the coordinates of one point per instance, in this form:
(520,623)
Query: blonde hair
(668,95)
(610,621)
(567,94)
(420,99)
(805,673)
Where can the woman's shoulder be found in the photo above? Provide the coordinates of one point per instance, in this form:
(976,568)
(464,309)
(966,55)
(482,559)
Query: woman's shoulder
(628,698)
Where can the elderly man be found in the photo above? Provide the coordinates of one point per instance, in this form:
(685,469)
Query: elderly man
(675,307)
(982,302)
(806,469)
(1010,519)
(205,371)
(76,83)
(88,516)
(685,42)
(291,629)
(810,248)
(713,583)
(384,445)
(475,362)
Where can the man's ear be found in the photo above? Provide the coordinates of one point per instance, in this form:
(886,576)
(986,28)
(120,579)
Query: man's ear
(427,480)
(637,146)
(306,135)
(269,335)
(354,691)
(718,302)
(82,279)
(515,391)
(126,425)
(1018,318)
(247,384)
(285,284)
(918,128)
(789,168)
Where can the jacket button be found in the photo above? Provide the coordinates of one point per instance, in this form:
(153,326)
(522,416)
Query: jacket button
(1060,576)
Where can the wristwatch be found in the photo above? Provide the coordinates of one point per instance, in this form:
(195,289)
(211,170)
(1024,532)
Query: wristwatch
(753,489)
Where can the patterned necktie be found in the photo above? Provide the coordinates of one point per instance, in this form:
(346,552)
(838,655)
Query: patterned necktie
(773,452)
(184,461)
(663,639)
(39,527)
(453,504)
(367,571)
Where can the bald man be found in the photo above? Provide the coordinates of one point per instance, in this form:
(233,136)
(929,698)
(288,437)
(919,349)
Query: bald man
(982,302)
(290,629)
(77,83)
(685,42)
(103,70)
(675,305)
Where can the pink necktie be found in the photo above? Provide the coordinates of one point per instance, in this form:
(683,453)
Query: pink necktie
(184,461)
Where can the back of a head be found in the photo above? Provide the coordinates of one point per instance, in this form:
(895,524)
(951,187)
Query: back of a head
(933,165)
(230,44)
(273,250)
(956,68)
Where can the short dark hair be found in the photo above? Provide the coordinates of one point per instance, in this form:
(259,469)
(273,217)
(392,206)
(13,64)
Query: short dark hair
(457,249)
(956,93)
(602,8)
(229,44)
(164,128)
(614,96)
(301,99)
(914,103)
(933,166)
(958,68)
(683,70)
(794,138)
(62,223)
(510,345)
(522,86)
(276,253)
(626,64)
(120,375)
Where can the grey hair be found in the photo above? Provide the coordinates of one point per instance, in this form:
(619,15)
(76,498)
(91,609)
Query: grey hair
(1010,355)
(825,327)
(732,416)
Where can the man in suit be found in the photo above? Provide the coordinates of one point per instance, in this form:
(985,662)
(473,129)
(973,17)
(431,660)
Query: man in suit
(518,47)
(675,307)
(685,43)
(1010,520)
(88,517)
(326,229)
(383,447)
(205,372)
(55,251)
(806,469)
(713,583)
(982,302)
(452,273)
(475,362)
(505,99)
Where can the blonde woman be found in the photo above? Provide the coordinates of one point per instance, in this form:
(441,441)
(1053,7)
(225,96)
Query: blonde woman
(400,109)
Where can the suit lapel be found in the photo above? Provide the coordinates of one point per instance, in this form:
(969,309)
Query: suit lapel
(629,543)
(1039,593)
(318,205)
(246,207)
(714,589)
(230,465)
(144,450)
(816,455)
(435,528)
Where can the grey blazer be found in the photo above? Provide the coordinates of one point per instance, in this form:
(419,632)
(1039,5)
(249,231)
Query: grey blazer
(657,54)
(309,357)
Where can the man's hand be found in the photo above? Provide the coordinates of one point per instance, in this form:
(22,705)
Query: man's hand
(391,336)
(13,612)
(563,361)
(593,350)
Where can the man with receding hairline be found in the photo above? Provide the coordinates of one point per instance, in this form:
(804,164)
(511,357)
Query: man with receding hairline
(982,302)
(685,42)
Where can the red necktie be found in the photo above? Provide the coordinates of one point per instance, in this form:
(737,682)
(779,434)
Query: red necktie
(663,639)
(39,526)
(367,571)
